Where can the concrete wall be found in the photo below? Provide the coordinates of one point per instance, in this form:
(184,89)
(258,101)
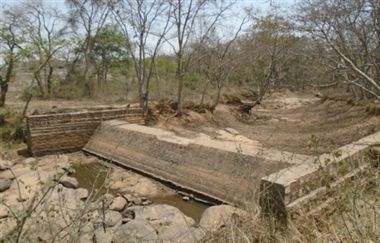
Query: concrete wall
(72,130)
(201,164)
(311,186)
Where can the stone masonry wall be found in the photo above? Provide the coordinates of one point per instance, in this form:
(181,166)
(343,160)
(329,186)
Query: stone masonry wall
(72,130)
(312,185)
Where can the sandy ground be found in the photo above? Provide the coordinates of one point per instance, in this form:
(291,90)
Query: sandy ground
(289,122)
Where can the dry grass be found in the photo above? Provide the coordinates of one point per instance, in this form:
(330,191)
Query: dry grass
(353,217)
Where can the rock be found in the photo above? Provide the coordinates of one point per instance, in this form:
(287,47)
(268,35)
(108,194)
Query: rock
(217,216)
(231,130)
(162,214)
(44,237)
(7,174)
(86,238)
(102,237)
(118,204)
(126,220)
(128,213)
(30,161)
(137,201)
(87,228)
(128,197)
(181,234)
(107,199)
(112,218)
(185,198)
(5,184)
(137,230)
(68,170)
(146,203)
(5,164)
(3,212)
(82,193)
(69,182)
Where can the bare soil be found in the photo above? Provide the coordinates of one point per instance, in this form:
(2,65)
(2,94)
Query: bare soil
(297,123)
(287,121)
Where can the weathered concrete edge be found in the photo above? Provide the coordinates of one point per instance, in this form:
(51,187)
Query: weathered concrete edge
(202,196)
(275,188)
(240,147)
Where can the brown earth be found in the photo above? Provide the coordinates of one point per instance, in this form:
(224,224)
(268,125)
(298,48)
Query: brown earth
(285,121)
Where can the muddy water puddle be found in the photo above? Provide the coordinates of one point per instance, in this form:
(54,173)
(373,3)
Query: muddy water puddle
(190,208)
(92,176)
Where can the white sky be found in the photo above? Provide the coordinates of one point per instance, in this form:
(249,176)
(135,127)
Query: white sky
(258,6)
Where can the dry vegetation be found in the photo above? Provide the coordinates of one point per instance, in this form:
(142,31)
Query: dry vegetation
(305,83)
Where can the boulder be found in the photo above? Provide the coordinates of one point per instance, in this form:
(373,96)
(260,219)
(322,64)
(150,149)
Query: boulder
(118,204)
(128,197)
(137,230)
(181,234)
(162,214)
(5,164)
(86,238)
(16,172)
(69,182)
(102,237)
(5,184)
(82,193)
(30,161)
(3,212)
(112,218)
(218,216)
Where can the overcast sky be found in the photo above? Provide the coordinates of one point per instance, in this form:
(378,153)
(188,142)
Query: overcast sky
(233,21)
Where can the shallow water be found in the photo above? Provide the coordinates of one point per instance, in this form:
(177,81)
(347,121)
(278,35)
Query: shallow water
(93,176)
(190,208)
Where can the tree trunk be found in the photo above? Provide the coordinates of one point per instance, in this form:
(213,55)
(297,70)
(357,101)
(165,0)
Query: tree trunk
(216,101)
(4,83)
(179,76)
(49,80)
(3,91)
(87,85)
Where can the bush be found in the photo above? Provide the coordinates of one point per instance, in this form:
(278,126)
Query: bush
(12,127)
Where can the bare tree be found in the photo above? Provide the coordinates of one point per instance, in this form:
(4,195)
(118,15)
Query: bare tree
(185,14)
(145,24)
(88,17)
(351,29)
(45,31)
(217,62)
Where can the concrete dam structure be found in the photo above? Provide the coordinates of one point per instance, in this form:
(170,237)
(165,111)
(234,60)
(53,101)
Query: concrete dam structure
(228,169)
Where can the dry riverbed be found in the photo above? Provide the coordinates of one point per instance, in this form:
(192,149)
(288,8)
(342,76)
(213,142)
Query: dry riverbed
(78,198)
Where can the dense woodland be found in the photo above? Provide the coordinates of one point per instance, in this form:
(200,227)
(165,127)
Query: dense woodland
(168,50)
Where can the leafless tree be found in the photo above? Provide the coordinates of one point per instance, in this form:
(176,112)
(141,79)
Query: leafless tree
(351,30)
(185,15)
(217,61)
(88,17)
(45,31)
(145,24)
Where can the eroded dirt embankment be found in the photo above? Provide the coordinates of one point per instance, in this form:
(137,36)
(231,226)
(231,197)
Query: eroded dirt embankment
(301,124)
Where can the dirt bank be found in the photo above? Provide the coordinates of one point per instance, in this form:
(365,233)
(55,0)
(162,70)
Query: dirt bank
(297,123)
